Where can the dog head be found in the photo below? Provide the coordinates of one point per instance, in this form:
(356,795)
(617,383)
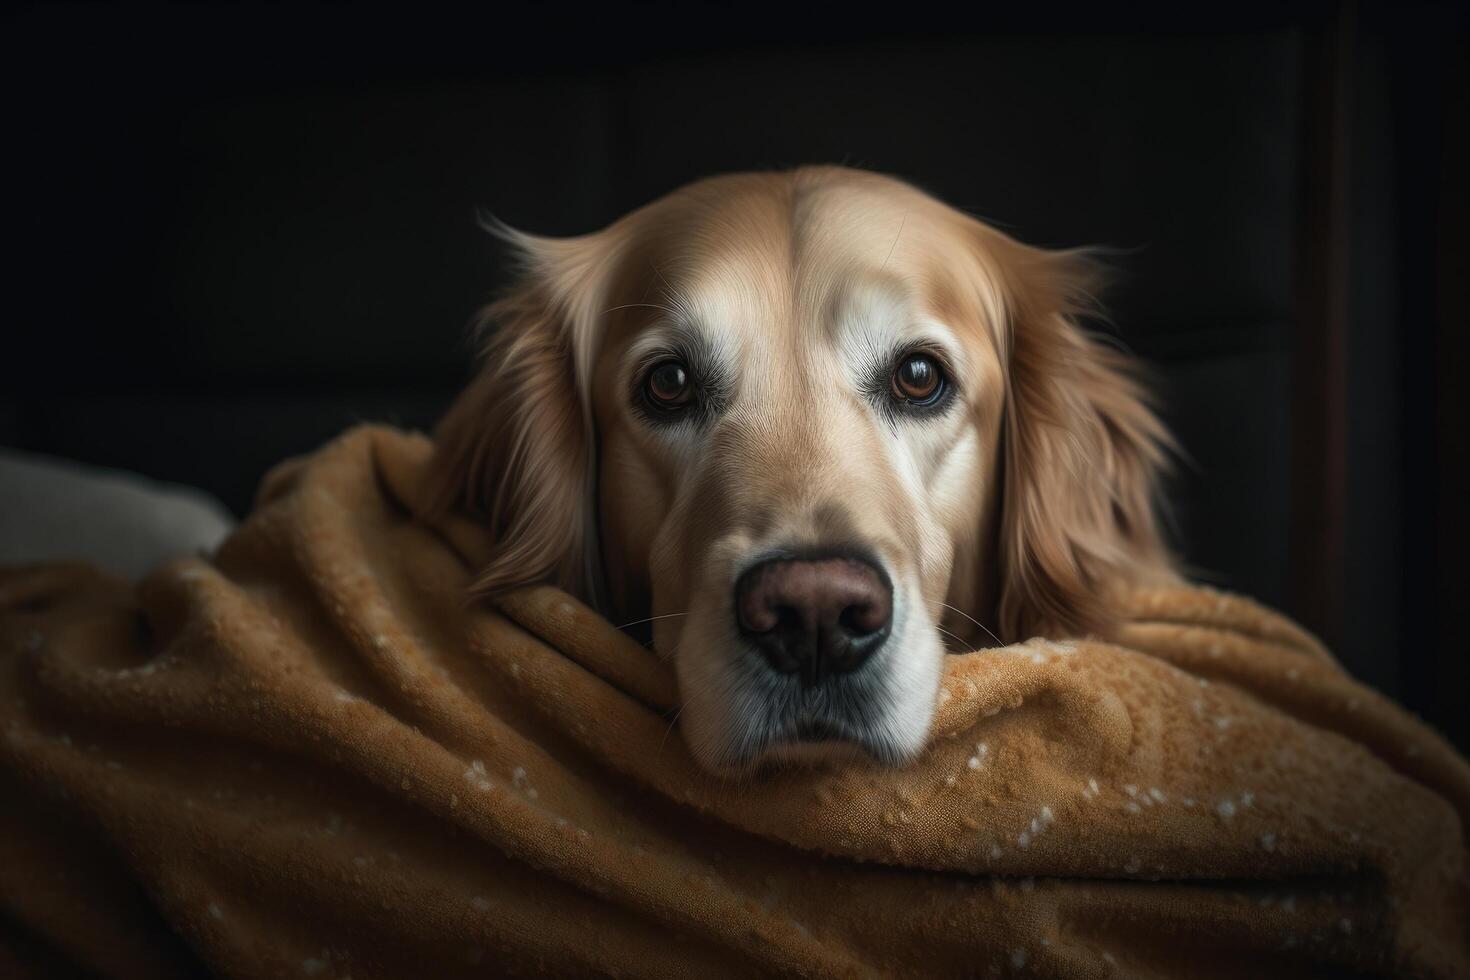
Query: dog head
(812,425)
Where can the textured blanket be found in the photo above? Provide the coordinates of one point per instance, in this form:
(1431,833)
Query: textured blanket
(310,757)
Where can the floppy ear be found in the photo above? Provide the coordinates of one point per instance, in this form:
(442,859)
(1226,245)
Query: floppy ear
(1083,457)
(516,449)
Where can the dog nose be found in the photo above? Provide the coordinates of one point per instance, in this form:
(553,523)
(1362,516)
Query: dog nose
(815,618)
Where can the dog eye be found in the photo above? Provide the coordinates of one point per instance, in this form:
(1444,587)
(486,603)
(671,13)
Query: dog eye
(918,380)
(668,385)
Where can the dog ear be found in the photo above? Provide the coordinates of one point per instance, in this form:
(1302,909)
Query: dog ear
(1083,458)
(516,450)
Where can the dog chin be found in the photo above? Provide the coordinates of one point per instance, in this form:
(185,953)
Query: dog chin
(740,717)
(815,754)
(812,746)
(794,753)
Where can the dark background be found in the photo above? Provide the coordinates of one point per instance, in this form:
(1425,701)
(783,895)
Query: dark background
(236,230)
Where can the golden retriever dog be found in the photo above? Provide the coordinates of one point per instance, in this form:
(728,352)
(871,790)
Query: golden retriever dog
(816,427)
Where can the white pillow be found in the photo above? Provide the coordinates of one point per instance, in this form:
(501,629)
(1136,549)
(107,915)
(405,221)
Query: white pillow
(56,510)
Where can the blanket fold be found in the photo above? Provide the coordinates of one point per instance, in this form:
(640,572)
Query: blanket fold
(309,756)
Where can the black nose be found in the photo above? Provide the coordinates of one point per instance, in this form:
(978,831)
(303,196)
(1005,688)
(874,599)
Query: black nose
(815,617)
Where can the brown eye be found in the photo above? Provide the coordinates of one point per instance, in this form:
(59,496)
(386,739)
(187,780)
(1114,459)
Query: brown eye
(918,380)
(668,384)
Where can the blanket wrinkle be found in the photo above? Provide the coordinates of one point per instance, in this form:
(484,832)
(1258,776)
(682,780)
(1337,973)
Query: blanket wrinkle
(310,756)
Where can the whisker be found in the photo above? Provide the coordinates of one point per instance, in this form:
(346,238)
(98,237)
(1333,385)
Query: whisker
(901,223)
(640,622)
(952,636)
(648,306)
(672,722)
(971,619)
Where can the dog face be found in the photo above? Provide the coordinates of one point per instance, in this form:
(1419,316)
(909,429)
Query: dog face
(810,425)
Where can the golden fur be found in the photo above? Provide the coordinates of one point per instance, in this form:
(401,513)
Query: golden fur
(1024,510)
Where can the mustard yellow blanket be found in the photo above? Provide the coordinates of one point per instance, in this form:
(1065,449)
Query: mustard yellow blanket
(310,757)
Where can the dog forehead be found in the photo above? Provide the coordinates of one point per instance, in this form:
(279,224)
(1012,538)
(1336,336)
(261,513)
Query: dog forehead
(830,333)
(798,282)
